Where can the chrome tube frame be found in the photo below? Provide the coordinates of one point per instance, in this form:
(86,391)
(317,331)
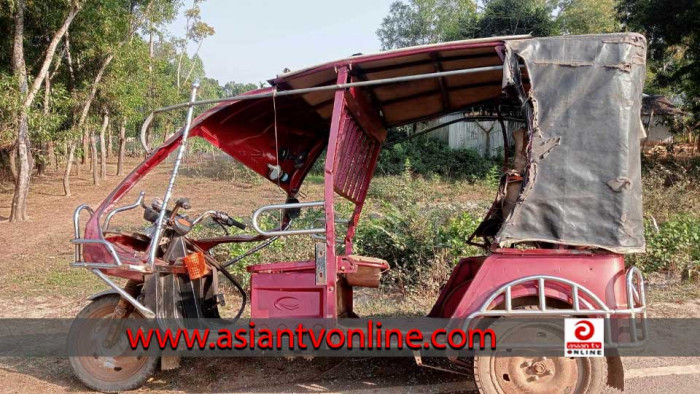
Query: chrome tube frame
(78,242)
(342,222)
(155,241)
(635,297)
(96,267)
(146,312)
(76,228)
(109,217)
(107,245)
(266,208)
(276,93)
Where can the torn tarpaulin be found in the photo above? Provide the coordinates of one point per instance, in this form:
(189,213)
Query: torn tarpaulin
(583,111)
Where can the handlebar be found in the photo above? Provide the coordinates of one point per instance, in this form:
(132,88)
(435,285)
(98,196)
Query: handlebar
(225,219)
(220,217)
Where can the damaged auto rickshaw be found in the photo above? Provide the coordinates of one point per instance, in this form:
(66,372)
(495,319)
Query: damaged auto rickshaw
(567,211)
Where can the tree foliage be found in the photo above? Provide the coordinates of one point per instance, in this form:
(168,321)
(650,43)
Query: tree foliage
(672,29)
(588,16)
(423,21)
(116,61)
(510,17)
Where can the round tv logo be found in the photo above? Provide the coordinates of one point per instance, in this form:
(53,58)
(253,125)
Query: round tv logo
(584,330)
(583,337)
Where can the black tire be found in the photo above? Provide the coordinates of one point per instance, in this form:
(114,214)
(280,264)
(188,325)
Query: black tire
(498,375)
(106,374)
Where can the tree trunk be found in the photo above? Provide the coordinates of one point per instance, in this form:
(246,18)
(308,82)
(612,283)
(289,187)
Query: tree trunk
(45,159)
(122,146)
(77,163)
(88,102)
(19,200)
(86,148)
(51,153)
(103,147)
(189,73)
(110,147)
(69,164)
(13,163)
(93,160)
(41,162)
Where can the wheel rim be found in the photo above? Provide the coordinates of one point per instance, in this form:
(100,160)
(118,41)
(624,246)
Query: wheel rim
(536,374)
(108,369)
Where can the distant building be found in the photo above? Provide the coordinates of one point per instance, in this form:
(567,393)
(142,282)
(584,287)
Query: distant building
(480,133)
(657,112)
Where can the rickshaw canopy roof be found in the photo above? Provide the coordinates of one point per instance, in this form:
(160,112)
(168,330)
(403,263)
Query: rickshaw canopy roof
(581,94)
(250,130)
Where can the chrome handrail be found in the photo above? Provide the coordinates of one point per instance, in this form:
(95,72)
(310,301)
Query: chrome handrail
(576,289)
(78,241)
(105,226)
(634,297)
(95,267)
(266,208)
(106,244)
(76,227)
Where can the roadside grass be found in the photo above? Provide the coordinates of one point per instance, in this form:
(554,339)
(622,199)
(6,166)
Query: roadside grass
(55,277)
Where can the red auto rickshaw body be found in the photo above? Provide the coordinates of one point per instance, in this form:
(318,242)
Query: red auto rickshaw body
(351,125)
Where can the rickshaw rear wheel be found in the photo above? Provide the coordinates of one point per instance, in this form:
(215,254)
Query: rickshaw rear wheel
(105,374)
(495,374)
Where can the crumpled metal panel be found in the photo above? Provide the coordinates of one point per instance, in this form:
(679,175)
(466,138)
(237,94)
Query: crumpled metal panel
(583,181)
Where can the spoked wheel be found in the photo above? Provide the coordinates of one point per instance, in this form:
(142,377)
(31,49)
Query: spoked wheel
(499,373)
(89,363)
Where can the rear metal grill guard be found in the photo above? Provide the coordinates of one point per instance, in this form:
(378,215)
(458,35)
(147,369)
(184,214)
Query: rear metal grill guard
(636,305)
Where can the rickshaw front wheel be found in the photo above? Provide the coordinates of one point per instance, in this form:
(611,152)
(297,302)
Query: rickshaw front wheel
(88,360)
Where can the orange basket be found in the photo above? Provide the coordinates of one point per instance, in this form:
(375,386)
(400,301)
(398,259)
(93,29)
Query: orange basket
(196,265)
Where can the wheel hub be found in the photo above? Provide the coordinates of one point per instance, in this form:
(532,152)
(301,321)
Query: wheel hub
(539,374)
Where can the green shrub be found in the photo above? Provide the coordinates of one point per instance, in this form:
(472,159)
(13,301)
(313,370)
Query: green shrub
(428,156)
(420,241)
(674,248)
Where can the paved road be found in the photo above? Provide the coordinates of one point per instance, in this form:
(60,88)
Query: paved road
(642,375)
(267,375)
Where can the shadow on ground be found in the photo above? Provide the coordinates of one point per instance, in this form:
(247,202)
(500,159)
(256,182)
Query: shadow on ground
(275,375)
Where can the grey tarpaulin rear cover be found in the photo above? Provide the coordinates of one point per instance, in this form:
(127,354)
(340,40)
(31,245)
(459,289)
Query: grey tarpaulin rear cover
(583,181)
